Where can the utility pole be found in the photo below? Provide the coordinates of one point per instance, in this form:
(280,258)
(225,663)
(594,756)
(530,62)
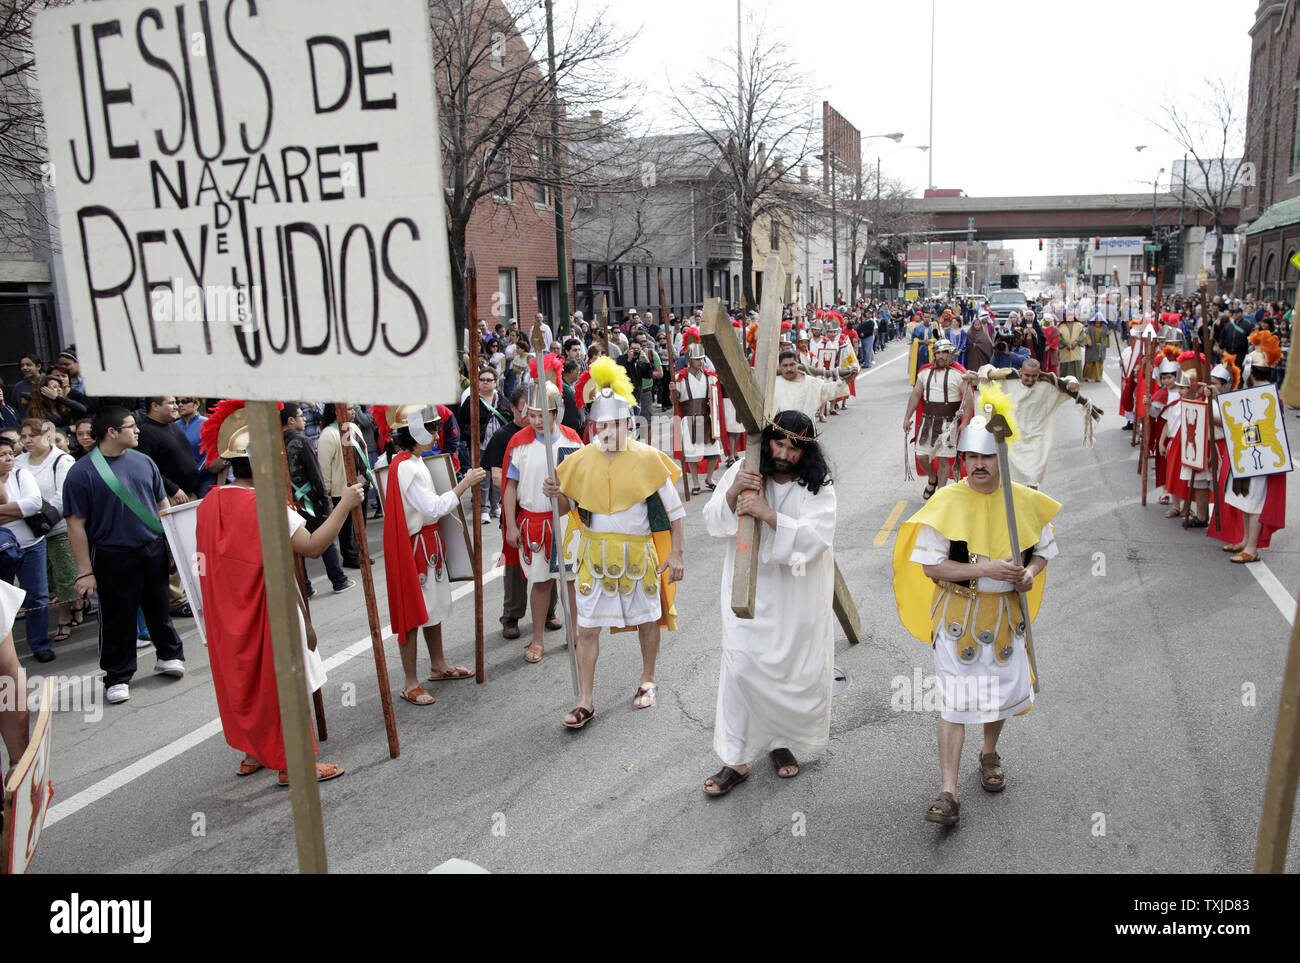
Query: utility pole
(875,287)
(835,234)
(557,195)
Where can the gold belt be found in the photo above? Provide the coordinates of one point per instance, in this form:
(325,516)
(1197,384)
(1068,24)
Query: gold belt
(987,618)
(617,563)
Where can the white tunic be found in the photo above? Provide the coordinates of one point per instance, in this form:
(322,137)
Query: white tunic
(528,469)
(774,690)
(984,690)
(806,395)
(601,610)
(423,506)
(695,386)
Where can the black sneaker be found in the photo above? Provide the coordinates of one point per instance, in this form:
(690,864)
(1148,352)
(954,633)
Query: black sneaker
(47,655)
(350,583)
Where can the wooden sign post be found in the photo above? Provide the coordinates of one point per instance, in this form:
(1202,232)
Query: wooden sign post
(266,443)
(750,391)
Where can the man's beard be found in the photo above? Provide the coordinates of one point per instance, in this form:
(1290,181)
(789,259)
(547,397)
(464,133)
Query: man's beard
(780,467)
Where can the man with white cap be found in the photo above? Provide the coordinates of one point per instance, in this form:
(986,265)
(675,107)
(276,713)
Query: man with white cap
(958,588)
(527,512)
(937,395)
(629,551)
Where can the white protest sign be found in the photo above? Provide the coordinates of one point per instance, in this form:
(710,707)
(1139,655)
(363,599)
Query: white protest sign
(250,197)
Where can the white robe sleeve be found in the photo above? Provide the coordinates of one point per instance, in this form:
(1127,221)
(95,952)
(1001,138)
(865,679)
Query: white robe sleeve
(419,494)
(804,538)
(930,547)
(719,519)
(672,502)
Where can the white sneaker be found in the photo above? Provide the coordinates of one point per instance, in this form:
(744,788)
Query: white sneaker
(486,518)
(143,643)
(172,667)
(118,693)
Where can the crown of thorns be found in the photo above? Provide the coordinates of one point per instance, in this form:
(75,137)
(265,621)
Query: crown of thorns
(793,436)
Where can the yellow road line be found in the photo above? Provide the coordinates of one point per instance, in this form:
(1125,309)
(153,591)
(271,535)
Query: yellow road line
(883,536)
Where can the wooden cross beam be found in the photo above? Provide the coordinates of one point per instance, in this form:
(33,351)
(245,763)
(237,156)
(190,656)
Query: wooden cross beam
(750,391)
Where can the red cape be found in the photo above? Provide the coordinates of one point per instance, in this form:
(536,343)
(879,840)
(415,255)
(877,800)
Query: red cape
(524,436)
(237,624)
(406,609)
(1232,525)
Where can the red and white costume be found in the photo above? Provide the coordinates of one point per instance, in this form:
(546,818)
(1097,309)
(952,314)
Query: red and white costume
(525,462)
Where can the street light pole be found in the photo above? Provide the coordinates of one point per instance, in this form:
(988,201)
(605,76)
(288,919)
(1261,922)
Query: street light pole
(557,195)
(835,233)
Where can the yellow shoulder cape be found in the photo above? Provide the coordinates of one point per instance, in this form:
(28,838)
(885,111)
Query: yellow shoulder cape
(961,514)
(607,485)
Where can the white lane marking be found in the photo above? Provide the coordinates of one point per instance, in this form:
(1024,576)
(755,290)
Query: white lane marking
(876,367)
(176,747)
(1269,582)
(1273,588)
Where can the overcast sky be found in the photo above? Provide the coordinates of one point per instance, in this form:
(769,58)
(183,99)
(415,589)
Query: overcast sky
(1030,96)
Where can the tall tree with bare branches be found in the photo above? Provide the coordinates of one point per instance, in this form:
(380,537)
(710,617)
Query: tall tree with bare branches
(756,119)
(1212,131)
(495,102)
(24,163)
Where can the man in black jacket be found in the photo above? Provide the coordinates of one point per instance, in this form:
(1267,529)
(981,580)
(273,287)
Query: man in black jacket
(164,441)
(309,491)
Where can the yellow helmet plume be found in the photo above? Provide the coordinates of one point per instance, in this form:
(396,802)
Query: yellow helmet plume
(992,394)
(608,373)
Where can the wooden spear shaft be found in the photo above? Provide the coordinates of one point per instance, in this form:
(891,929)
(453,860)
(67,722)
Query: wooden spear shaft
(1214,448)
(344,418)
(686,480)
(557,521)
(475,459)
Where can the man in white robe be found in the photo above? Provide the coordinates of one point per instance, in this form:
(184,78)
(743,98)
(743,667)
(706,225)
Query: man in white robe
(774,689)
(797,391)
(1036,398)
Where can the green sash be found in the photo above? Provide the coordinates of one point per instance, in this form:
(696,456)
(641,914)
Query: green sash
(150,520)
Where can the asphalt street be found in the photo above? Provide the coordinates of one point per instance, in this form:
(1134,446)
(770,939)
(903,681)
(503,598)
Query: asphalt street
(1146,751)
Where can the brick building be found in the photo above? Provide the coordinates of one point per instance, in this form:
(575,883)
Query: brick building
(495,110)
(1271,208)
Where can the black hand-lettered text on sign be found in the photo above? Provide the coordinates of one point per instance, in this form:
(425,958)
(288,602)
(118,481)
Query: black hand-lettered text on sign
(250,197)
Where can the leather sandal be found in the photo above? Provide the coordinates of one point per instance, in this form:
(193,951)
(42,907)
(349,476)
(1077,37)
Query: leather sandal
(1243,557)
(944,810)
(784,759)
(990,770)
(725,780)
(647,690)
(248,768)
(419,696)
(529,656)
(325,771)
(1234,548)
(581,716)
(456,672)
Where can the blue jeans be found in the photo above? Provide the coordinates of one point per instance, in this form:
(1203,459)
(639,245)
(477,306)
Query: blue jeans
(868,349)
(31,577)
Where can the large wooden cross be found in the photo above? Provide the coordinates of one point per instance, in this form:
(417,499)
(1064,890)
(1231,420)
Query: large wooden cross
(750,391)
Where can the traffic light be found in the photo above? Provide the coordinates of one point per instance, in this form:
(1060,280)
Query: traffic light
(952,276)
(1040,244)
(1096,244)
(1173,250)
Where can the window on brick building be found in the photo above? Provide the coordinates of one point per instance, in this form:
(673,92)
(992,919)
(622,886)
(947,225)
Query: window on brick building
(501,173)
(1295,132)
(541,192)
(506,293)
